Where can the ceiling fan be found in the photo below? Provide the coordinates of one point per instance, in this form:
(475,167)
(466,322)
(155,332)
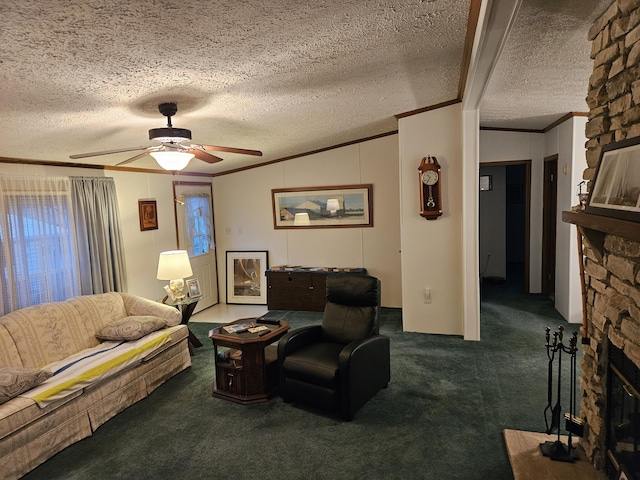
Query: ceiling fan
(172,153)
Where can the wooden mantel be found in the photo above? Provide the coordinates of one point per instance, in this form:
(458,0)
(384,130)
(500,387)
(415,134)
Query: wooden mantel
(595,227)
(600,223)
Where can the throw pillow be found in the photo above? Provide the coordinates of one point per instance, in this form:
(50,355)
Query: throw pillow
(131,328)
(16,380)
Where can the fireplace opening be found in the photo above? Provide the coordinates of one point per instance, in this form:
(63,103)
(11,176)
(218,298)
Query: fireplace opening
(623,416)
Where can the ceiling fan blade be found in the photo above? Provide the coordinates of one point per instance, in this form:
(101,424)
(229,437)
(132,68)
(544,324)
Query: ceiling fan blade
(244,151)
(132,159)
(204,156)
(106,152)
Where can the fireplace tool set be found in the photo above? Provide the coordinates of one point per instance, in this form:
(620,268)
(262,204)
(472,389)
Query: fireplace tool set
(552,413)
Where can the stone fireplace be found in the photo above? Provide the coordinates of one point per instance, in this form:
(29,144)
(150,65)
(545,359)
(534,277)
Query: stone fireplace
(611,246)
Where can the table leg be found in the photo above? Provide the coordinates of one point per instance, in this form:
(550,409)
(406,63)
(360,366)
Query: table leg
(187,311)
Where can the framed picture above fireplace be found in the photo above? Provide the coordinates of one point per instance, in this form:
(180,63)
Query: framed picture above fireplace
(615,190)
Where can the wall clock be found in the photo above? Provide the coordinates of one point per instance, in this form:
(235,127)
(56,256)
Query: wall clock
(430,188)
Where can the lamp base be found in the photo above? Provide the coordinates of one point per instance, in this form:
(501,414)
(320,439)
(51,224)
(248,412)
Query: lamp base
(177,288)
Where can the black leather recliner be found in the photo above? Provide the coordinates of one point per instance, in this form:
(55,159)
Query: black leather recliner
(344,362)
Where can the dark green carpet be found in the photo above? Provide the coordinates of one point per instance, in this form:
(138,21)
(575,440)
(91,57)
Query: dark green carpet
(441,417)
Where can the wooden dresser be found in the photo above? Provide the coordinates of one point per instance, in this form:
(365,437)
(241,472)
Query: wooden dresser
(300,288)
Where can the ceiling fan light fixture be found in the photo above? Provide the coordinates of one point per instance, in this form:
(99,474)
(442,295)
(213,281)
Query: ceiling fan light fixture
(169,134)
(172,160)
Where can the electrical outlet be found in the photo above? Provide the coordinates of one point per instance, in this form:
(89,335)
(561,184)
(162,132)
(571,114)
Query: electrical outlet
(227,230)
(427,295)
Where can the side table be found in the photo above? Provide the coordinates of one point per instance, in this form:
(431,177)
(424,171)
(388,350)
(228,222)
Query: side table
(249,374)
(186,306)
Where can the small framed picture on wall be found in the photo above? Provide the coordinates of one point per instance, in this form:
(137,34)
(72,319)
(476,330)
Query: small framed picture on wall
(148,213)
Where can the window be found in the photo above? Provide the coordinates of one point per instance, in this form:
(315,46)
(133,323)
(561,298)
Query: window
(197,216)
(38,260)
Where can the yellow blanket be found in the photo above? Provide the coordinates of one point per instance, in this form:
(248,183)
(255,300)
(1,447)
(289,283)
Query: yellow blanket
(93,364)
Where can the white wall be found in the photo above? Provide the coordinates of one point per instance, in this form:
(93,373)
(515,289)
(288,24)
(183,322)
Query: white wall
(567,140)
(499,146)
(435,254)
(432,250)
(244,215)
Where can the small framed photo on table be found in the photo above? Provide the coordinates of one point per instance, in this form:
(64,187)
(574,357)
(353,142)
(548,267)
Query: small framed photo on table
(193,288)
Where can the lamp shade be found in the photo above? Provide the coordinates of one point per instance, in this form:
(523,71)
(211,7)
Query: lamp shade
(171,159)
(333,204)
(301,219)
(174,264)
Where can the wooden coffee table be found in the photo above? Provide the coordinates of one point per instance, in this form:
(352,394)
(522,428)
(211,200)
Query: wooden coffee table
(246,363)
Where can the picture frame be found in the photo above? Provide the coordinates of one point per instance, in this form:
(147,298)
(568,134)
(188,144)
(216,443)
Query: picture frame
(339,206)
(615,188)
(486,183)
(246,280)
(148,213)
(193,288)
(170,296)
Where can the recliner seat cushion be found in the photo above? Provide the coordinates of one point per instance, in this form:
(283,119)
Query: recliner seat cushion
(317,364)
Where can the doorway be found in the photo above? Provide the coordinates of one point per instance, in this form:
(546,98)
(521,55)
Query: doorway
(549,219)
(504,219)
(195,230)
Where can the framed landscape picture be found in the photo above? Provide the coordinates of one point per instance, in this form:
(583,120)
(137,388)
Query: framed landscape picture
(615,191)
(246,281)
(323,207)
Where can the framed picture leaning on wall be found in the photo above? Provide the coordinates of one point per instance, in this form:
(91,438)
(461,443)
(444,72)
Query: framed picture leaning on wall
(246,281)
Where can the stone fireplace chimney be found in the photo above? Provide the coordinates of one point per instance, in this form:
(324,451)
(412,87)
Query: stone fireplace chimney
(611,246)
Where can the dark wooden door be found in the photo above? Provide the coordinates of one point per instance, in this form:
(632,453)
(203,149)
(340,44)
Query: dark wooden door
(549,208)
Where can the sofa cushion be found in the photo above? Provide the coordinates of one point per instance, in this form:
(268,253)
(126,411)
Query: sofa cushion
(9,355)
(143,306)
(48,332)
(99,310)
(16,380)
(131,328)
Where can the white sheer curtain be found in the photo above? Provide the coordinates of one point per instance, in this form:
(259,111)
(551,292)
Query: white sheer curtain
(38,260)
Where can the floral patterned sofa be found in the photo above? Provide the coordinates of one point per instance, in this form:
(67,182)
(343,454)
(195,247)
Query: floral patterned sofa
(59,382)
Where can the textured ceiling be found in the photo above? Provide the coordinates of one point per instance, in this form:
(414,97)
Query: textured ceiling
(283,76)
(544,69)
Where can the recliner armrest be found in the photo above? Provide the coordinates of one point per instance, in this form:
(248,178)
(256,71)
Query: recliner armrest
(297,339)
(364,368)
(364,352)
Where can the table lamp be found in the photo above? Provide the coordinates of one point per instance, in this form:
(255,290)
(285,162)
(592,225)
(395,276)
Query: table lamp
(174,266)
